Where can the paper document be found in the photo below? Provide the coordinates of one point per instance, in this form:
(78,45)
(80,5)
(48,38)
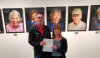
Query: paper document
(48,46)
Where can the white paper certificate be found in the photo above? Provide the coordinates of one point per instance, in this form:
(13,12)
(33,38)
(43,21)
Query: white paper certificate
(48,46)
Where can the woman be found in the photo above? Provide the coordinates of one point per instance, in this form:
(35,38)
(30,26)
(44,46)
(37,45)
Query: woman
(95,21)
(60,43)
(32,22)
(55,16)
(15,24)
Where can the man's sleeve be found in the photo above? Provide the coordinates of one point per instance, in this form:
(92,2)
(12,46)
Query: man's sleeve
(31,39)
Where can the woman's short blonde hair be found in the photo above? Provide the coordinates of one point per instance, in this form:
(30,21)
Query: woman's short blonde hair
(55,10)
(14,12)
(98,10)
(54,27)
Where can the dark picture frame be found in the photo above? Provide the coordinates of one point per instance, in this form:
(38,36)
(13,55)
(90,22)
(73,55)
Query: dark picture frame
(84,16)
(62,21)
(1,23)
(6,12)
(28,20)
(94,24)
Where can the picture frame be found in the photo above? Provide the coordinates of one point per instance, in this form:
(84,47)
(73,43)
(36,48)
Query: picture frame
(60,17)
(10,26)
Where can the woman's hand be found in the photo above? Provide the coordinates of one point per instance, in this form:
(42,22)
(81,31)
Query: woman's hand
(54,47)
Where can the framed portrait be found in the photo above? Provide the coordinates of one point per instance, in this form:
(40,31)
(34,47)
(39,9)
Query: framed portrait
(30,14)
(56,15)
(13,18)
(1,23)
(94,18)
(77,18)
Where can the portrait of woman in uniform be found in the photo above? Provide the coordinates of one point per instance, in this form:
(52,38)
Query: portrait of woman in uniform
(56,15)
(30,14)
(77,18)
(13,18)
(1,24)
(94,18)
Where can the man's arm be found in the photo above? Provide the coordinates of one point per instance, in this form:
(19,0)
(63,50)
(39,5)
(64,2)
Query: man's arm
(31,39)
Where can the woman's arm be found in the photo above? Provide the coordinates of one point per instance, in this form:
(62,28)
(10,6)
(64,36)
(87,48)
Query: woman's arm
(64,46)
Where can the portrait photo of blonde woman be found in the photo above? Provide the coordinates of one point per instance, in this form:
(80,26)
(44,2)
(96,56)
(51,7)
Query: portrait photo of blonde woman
(56,15)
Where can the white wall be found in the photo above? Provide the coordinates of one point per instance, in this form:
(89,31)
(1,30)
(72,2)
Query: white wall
(82,45)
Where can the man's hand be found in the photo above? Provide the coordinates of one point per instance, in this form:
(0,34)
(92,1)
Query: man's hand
(42,43)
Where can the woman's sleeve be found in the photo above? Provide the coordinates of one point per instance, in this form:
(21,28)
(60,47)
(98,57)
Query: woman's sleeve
(64,46)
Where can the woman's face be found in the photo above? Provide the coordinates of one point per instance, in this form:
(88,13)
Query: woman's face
(56,18)
(34,17)
(56,31)
(98,13)
(15,20)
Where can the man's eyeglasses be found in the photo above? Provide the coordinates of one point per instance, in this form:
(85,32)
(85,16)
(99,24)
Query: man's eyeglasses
(40,17)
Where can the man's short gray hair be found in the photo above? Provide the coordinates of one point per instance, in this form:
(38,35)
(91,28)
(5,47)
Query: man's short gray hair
(14,12)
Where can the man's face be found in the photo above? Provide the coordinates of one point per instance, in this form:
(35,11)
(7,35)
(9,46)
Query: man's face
(34,17)
(56,17)
(76,18)
(15,20)
(39,19)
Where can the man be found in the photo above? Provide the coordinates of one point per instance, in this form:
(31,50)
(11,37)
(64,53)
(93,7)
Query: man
(95,23)
(36,35)
(77,24)
(55,16)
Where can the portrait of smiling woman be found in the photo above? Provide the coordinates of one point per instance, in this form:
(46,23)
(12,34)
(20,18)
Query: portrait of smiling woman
(15,22)
(56,15)
(31,22)
(30,16)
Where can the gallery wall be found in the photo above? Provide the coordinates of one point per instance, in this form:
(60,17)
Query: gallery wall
(81,44)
